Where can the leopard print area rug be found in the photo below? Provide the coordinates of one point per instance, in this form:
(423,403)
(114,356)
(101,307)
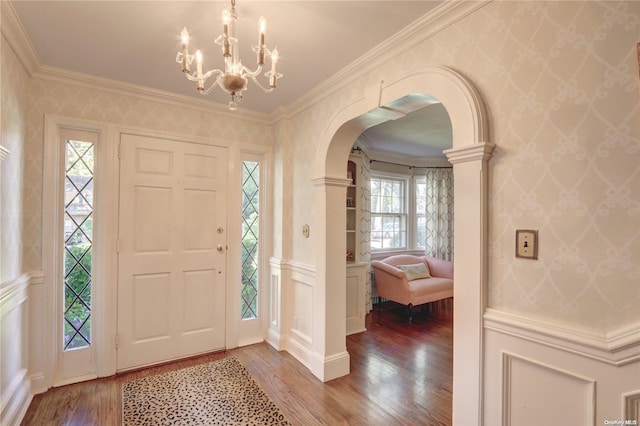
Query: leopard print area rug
(217,393)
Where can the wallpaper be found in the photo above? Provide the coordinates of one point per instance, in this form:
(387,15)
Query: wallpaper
(51,97)
(560,82)
(14,104)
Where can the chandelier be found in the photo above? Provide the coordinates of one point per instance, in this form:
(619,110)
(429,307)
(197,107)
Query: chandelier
(234,78)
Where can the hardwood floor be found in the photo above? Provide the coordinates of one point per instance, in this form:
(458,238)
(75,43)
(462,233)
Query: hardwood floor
(401,374)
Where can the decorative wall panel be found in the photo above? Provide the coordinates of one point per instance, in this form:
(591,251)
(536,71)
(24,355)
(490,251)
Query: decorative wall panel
(558,396)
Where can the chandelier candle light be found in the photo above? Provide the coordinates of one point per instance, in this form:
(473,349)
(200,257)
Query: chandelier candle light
(233,79)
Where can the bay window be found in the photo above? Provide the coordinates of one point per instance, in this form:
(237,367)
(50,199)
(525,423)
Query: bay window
(413,213)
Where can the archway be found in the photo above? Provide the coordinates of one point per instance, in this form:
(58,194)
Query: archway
(469,155)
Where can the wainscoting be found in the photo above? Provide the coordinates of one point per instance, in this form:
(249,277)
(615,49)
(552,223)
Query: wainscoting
(291,315)
(15,383)
(540,373)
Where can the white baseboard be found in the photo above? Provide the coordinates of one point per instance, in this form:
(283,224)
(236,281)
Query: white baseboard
(16,400)
(301,353)
(333,366)
(38,384)
(277,341)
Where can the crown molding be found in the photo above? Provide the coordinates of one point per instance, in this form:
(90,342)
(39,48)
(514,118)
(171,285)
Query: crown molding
(443,16)
(16,35)
(50,73)
(432,23)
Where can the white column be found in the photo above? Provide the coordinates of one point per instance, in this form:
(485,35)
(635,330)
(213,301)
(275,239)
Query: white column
(331,359)
(470,245)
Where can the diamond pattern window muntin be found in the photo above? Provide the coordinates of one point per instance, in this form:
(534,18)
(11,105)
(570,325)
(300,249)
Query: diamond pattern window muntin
(78,243)
(250,238)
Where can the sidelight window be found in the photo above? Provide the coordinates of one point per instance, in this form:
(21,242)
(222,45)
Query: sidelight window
(78,243)
(250,239)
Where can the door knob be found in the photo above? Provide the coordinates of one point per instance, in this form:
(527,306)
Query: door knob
(220,248)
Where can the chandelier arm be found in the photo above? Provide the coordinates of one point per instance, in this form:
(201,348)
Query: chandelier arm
(248,72)
(216,82)
(255,80)
(194,76)
(210,89)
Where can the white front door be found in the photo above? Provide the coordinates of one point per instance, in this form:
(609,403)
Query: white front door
(171,250)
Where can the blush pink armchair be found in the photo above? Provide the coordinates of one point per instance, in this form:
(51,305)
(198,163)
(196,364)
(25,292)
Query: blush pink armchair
(392,283)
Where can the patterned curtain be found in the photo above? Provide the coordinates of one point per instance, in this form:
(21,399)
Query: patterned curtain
(439,213)
(364,181)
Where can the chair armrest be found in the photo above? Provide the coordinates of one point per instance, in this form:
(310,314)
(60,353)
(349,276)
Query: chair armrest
(389,269)
(439,267)
(391,282)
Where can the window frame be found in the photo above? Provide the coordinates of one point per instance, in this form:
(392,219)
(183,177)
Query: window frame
(249,331)
(411,216)
(56,363)
(404,215)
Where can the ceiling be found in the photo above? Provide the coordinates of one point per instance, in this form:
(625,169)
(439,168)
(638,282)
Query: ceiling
(136,42)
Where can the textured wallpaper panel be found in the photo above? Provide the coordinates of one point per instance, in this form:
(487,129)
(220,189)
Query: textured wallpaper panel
(14,105)
(568,163)
(49,97)
(560,81)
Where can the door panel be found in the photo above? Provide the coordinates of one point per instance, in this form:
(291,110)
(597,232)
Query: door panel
(171,275)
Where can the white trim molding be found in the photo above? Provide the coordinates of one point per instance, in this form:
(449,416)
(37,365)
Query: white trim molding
(631,405)
(440,18)
(4,152)
(16,35)
(470,124)
(522,399)
(13,293)
(329,181)
(15,391)
(476,152)
(291,279)
(276,335)
(617,348)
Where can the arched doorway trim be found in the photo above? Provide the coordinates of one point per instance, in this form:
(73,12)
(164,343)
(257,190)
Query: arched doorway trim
(469,155)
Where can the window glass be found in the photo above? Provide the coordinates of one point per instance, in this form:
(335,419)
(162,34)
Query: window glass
(250,238)
(78,243)
(388,213)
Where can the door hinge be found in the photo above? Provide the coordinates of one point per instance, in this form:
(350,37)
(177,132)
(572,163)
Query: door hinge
(117,340)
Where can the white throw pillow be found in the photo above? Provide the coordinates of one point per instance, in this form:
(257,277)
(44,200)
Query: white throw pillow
(415,272)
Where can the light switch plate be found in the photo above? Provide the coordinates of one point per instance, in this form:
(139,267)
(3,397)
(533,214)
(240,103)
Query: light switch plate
(527,243)
(305,231)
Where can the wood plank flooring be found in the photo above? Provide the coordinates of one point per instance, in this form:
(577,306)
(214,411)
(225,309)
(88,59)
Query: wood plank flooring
(401,374)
